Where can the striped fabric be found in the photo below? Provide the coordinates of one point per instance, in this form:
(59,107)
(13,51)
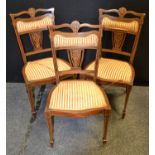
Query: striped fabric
(132,26)
(63,41)
(114,70)
(43,68)
(77,95)
(23,26)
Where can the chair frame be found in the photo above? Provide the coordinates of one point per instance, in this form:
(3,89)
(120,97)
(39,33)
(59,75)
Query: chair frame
(75,70)
(30,85)
(119,38)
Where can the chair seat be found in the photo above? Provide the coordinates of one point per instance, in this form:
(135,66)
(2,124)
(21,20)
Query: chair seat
(74,95)
(43,69)
(112,70)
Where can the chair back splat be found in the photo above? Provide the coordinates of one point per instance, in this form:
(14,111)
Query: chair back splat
(76,42)
(122,23)
(29,22)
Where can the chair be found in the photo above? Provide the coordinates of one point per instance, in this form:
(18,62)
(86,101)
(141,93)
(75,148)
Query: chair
(33,23)
(113,71)
(75,98)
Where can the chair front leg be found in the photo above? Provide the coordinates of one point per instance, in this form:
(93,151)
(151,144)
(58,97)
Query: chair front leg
(50,124)
(128,90)
(106,114)
(31,100)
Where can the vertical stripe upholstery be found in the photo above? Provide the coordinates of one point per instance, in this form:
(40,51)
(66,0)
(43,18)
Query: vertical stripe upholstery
(131,26)
(114,70)
(63,41)
(43,68)
(77,95)
(23,26)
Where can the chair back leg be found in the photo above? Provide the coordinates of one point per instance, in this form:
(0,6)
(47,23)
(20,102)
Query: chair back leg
(128,90)
(106,114)
(31,101)
(39,97)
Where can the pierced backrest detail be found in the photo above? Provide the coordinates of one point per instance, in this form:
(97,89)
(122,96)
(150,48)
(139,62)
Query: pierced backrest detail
(118,39)
(34,26)
(36,40)
(120,26)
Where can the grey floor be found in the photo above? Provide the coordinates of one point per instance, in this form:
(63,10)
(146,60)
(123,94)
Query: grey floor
(78,136)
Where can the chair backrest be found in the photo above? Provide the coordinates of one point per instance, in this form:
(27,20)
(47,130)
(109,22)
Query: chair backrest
(121,22)
(33,25)
(77,42)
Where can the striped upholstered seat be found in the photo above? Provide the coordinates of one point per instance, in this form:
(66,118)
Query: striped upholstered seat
(77,95)
(23,26)
(132,26)
(114,71)
(43,68)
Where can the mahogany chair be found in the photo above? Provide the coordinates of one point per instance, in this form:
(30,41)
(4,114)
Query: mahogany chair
(41,71)
(76,98)
(120,23)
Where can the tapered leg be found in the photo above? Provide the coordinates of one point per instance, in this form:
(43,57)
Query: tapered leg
(31,100)
(128,90)
(106,120)
(50,124)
